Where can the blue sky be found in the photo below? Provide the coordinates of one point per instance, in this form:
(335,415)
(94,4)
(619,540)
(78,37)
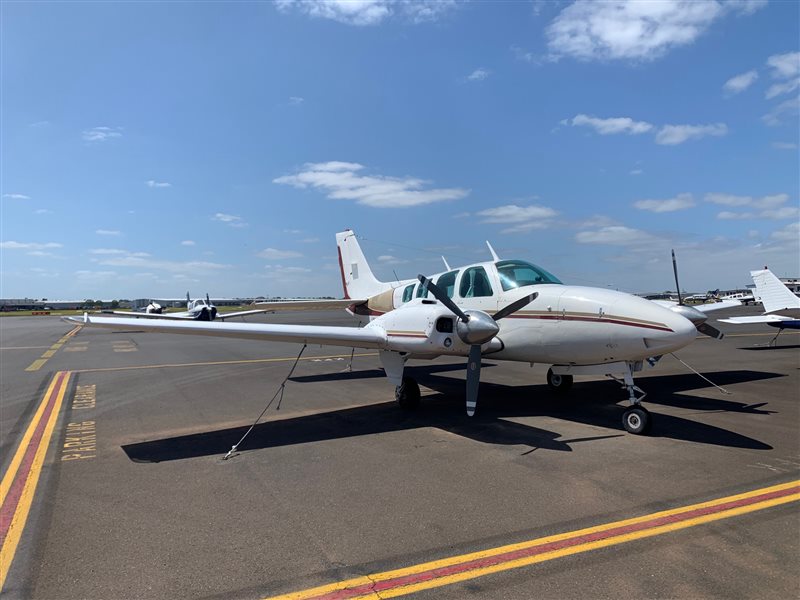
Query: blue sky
(153,148)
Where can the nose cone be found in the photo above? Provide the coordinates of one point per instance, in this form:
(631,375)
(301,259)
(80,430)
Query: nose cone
(683,331)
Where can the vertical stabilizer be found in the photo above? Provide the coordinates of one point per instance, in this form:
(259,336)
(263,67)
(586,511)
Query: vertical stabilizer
(775,296)
(357,279)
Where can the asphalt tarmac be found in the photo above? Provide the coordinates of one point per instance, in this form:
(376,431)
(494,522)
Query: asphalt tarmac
(134,499)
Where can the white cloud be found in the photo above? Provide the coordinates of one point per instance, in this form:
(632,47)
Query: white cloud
(611,125)
(187,243)
(17,196)
(770,207)
(43,211)
(790,233)
(10,245)
(670,135)
(141,260)
(311,240)
(340,181)
(787,107)
(679,202)
(273,254)
(40,124)
(107,251)
(296,100)
(511,213)
(478,75)
(634,30)
(368,12)
(231,220)
(785,66)
(158,184)
(85,274)
(615,235)
(770,201)
(784,145)
(107,232)
(101,134)
(388,259)
(740,83)
(636,171)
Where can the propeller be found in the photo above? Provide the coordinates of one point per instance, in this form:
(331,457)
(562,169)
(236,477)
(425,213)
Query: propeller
(697,318)
(475,327)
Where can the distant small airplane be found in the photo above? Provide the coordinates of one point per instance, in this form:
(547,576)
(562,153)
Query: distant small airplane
(196,310)
(781,306)
(508,309)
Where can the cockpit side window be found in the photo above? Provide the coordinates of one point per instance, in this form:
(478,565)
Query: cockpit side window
(517,273)
(408,293)
(422,291)
(475,283)
(448,283)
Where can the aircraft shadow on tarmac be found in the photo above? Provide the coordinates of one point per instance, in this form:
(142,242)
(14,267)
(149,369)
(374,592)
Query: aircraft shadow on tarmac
(592,403)
(766,347)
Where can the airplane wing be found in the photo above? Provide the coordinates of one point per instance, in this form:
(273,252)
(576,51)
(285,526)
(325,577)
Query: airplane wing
(221,316)
(703,308)
(142,315)
(285,305)
(756,319)
(350,337)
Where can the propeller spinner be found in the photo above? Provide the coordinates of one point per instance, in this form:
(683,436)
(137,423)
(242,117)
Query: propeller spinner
(475,327)
(697,318)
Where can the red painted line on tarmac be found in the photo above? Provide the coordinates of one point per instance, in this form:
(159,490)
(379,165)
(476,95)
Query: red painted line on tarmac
(375,588)
(9,508)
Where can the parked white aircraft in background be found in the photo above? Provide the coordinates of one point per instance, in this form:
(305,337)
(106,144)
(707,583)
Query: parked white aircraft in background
(509,309)
(196,310)
(781,306)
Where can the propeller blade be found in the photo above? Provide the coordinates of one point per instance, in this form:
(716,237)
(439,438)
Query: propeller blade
(515,306)
(675,270)
(439,294)
(208,300)
(473,378)
(710,331)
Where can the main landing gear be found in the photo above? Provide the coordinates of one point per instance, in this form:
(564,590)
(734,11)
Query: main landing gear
(560,384)
(407,394)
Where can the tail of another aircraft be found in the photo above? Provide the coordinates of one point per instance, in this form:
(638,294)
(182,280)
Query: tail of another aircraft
(774,294)
(357,279)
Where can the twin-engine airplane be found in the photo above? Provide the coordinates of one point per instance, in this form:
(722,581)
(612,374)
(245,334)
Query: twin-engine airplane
(196,310)
(509,309)
(781,306)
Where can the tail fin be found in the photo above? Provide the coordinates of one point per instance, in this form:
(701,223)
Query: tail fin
(775,296)
(357,279)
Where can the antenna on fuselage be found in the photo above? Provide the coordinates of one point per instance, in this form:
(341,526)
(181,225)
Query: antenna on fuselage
(446,266)
(495,258)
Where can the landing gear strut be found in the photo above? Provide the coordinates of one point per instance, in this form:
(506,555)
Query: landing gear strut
(559,384)
(407,394)
(636,419)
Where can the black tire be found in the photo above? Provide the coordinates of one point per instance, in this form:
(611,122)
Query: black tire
(637,420)
(559,384)
(407,394)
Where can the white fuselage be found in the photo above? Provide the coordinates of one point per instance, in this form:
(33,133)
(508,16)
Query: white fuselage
(568,325)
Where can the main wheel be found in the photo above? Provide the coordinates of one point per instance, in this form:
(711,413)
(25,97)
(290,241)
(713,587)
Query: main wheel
(407,394)
(636,420)
(560,384)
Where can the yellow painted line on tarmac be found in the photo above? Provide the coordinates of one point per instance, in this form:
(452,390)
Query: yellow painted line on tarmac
(455,569)
(222,362)
(18,486)
(39,362)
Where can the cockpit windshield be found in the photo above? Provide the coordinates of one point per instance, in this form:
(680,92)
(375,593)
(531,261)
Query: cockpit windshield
(518,273)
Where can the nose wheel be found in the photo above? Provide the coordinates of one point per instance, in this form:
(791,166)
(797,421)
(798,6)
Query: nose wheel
(637,420)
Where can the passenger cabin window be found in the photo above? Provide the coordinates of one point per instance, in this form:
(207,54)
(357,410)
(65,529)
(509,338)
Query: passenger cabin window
(448,283)
(408,293)
(475,283)
(517,273)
